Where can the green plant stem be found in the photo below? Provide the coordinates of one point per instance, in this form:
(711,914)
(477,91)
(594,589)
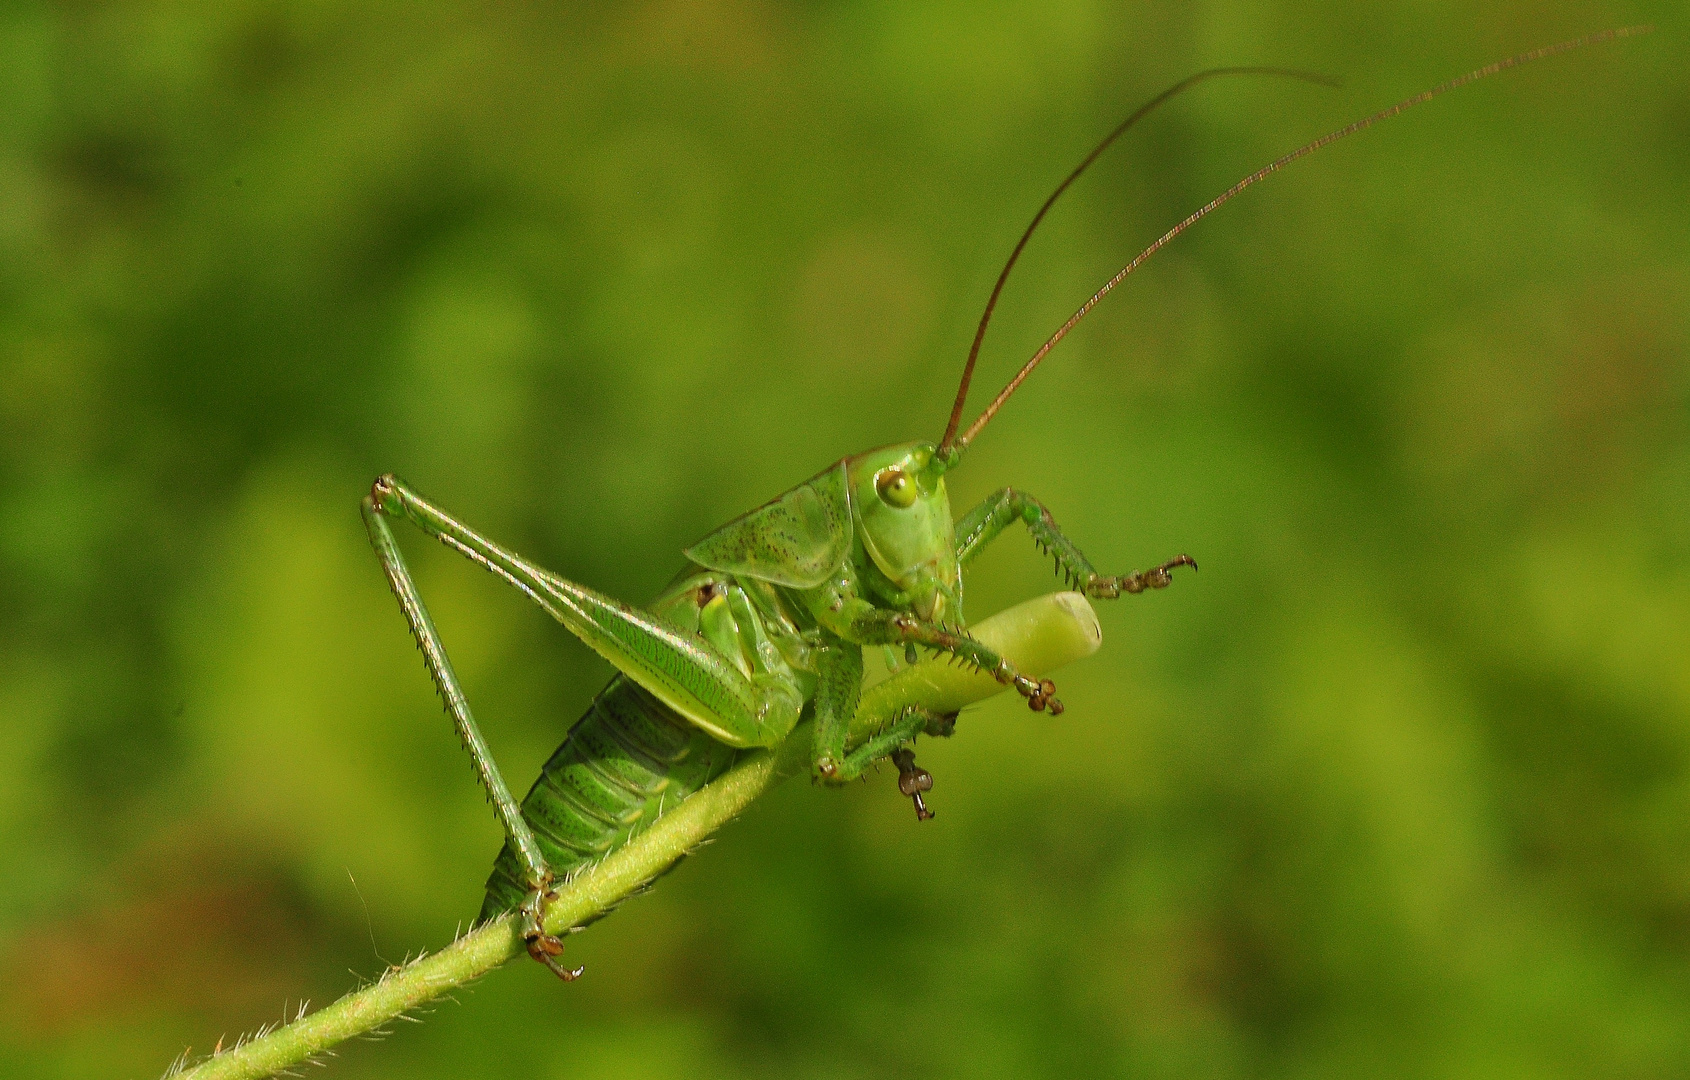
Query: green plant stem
(1037,636)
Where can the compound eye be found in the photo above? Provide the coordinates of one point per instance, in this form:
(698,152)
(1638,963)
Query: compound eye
(895,488)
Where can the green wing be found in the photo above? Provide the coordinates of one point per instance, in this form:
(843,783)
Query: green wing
(797,540)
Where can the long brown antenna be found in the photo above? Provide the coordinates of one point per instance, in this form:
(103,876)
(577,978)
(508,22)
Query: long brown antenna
(1261,174)
(1097,151)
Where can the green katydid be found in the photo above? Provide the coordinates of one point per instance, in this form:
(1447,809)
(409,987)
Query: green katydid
(768,619)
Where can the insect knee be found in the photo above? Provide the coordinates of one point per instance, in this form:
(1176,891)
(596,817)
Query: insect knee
(384,494)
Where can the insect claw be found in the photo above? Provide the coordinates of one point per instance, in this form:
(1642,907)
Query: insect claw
(546,949)
(921,811)
(566,974)
(1043,697)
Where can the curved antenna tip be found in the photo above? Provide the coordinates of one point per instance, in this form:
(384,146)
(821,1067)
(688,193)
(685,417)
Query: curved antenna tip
(950,442)
(1236,189)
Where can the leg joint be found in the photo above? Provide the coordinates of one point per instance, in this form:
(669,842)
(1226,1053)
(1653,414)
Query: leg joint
(384,494)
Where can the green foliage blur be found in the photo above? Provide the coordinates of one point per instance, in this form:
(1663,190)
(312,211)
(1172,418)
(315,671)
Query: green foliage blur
(1399,785)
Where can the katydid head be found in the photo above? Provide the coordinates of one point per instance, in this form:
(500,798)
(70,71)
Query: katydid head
(903,517)
(888,503)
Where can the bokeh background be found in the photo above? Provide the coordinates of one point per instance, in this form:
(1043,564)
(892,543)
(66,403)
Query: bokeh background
(1398,786)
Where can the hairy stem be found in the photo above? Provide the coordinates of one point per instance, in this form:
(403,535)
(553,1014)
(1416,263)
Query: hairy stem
(1037,637)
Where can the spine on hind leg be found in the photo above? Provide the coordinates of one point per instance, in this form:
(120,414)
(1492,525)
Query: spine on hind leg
(628,759)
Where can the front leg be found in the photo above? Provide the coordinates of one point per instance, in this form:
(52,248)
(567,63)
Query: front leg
(861,622)
(983,524)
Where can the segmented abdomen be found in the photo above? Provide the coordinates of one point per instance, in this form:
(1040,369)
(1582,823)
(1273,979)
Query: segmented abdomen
(628,759)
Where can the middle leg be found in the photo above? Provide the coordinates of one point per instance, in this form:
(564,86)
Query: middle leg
(913,780)
(839,686)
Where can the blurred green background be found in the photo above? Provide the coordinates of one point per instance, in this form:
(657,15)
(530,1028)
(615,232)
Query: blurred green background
(1398,786)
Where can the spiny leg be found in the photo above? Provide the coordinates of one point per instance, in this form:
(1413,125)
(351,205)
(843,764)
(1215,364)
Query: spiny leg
(913,780)
(862,623)
(877,626)
(983,524)
(541,946)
